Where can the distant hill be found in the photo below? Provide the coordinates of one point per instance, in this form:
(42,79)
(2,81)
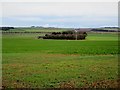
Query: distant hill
(106,30)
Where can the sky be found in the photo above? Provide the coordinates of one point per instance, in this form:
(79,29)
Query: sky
(60,14)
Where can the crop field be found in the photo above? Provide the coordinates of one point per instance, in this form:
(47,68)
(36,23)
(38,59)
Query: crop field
(35,30)
(28,62)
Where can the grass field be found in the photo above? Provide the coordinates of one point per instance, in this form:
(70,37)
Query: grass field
(36,30)
(31,62)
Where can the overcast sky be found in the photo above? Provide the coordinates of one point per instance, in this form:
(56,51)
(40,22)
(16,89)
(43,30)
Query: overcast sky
(60,14)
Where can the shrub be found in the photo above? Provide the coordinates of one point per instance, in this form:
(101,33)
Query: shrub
(69,35)
(6,28)
(81,36)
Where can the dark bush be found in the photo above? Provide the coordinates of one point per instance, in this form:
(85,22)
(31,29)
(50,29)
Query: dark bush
(6,28)
(81,36)
(40,37)
(68,35)
(56,33)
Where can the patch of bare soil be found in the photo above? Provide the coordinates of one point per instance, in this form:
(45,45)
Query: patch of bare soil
(104,84)
(67,85)
(97,84)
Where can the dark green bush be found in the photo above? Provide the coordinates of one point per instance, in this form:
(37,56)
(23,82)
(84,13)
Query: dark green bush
(68,35)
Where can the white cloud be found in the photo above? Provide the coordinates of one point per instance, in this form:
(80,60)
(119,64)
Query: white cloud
(60,9)
(0,14)
(59,0)
(27,18)
(57,14)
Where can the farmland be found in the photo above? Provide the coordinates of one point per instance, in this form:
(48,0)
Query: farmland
(36,30)
(29,62)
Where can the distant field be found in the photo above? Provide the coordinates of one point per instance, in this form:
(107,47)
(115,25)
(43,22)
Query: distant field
(110,29)
(35,30)
(31,62)
(102,36)
(54,29)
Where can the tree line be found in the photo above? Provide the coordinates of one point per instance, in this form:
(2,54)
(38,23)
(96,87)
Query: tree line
(68,35)
(6,28)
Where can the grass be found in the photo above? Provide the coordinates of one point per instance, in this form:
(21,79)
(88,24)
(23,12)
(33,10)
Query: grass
(102,36)
(101,44)
(31,62)
(35,30)
(52,70)
(16,45)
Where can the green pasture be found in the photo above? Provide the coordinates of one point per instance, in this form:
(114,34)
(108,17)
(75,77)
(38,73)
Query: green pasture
(37,63)
(36,30)
(36,70)
(103,36)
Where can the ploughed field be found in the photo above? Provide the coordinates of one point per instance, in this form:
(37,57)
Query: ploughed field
(29,62)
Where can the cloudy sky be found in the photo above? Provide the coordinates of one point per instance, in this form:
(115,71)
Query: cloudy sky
(60,14)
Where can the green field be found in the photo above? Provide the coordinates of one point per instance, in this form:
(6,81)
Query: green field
(36,30)
(37,63)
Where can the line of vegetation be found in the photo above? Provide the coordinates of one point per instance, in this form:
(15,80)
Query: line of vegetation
(69,35)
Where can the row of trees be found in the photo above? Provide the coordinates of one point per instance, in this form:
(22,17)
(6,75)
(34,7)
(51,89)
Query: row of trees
(102,30)
(68,35)
(6,28)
